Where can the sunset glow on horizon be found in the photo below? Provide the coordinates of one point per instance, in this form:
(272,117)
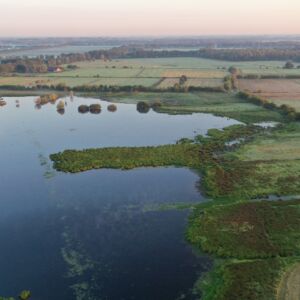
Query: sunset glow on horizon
(156,17)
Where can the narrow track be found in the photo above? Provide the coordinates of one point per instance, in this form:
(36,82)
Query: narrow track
(289,288)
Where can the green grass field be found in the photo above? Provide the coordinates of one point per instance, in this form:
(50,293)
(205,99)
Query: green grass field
(223,104)
(281,145)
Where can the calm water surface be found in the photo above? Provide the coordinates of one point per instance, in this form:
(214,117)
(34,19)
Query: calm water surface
(94,235)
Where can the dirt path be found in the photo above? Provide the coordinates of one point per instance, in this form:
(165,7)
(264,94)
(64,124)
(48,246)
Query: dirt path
(289,288)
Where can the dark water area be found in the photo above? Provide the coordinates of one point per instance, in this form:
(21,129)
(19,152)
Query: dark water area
(98,234)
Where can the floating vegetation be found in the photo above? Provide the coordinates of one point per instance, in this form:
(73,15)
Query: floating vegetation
(81,290)
(44,162)
(24,295)
(112,108)
(79,267)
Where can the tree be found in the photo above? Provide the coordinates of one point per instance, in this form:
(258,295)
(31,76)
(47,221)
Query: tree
(233,70)
(21,68)
(289,65)
(183,79)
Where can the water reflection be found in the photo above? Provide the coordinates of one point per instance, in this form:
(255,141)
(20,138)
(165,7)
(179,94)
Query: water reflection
(112,108)
(60,108)
(2,102)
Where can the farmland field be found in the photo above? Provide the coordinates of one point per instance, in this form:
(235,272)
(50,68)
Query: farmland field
(204,82)
(75,81)
(279,91)
(150,71)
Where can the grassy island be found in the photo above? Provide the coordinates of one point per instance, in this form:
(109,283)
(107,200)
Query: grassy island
(181,155)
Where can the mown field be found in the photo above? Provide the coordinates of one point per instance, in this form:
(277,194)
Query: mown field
(279,91)
(29,81)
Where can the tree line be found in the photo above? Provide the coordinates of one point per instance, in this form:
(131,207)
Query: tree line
(42,63)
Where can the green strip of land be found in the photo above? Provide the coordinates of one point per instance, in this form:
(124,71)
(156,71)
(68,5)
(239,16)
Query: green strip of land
(181,155)
(222,104)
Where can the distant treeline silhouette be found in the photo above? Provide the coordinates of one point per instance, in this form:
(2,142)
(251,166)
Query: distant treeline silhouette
(43,64)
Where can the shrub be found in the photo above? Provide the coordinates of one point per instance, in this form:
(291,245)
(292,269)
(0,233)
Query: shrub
(95,108)
(289,65)
(83,109)
(143,107)
(112,107)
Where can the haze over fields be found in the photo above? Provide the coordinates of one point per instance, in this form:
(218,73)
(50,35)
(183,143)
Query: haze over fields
(156,17)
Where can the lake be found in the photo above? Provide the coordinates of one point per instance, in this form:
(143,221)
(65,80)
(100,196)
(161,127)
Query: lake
(99,234)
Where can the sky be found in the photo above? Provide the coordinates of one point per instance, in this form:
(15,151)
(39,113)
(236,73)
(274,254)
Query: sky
(148,18)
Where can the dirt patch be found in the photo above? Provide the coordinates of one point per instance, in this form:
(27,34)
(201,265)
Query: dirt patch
(289,288)
(270,86)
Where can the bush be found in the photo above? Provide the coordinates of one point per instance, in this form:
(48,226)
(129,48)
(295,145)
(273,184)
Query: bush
(143,107)
(95,108)
(112,108)
(289,65)
(83,109)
